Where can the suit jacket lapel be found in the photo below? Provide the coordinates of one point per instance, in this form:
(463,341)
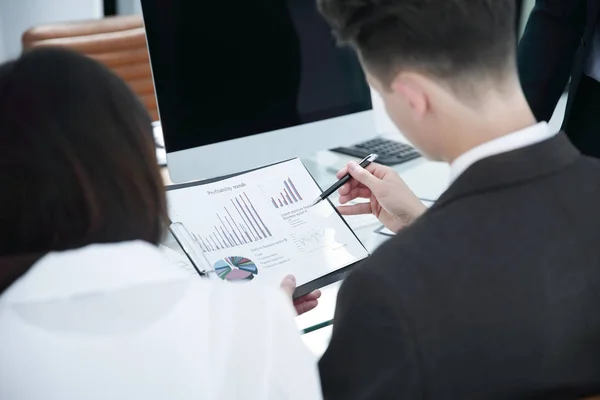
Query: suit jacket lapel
(514,167)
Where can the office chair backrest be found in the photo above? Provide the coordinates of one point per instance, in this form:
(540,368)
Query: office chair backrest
(118,42)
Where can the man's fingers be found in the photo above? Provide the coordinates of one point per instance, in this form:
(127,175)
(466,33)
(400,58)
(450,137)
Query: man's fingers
(345,189)
(355,209)
(371,168)
(363,176)
(358,193)
(342,172)
(350,186)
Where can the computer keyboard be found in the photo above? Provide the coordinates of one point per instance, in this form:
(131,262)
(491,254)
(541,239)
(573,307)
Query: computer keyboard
(390,152)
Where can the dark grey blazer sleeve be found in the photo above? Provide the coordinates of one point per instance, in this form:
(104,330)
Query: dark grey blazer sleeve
(547,52)
(370,356)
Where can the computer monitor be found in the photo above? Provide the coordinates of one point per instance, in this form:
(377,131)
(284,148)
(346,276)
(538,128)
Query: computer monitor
(245,83)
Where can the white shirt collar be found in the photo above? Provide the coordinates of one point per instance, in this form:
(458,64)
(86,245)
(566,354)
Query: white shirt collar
(516,140)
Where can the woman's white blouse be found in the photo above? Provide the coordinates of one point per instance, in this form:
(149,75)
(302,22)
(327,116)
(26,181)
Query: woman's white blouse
(121,322)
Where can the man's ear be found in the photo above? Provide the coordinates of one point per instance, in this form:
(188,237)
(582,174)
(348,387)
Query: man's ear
(409,87)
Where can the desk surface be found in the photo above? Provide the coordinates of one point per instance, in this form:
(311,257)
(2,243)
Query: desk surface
(427,179)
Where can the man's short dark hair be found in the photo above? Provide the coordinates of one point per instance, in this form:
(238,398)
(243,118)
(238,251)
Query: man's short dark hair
(446,39)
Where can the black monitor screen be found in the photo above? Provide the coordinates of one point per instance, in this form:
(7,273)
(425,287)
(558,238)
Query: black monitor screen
(230,69)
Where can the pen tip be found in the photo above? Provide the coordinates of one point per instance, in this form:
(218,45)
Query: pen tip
(317,201)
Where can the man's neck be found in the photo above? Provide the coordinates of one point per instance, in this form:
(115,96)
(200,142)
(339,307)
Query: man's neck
(498,116)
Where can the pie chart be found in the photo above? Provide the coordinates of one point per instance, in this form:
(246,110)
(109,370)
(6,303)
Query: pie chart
(236,269)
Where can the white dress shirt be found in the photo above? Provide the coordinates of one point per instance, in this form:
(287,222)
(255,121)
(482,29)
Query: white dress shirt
(513,141)
(121,322)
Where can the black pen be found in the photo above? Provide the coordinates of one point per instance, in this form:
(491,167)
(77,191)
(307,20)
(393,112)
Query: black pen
(364,163)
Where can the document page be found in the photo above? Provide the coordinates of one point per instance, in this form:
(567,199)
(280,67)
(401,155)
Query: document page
(259,226)
(178,260)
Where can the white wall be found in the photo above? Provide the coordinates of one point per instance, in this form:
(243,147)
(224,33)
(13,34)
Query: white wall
(2,51)
(128,7)
(16,16)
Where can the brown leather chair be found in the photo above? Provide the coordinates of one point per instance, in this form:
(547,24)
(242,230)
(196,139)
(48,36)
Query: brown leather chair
(118,42)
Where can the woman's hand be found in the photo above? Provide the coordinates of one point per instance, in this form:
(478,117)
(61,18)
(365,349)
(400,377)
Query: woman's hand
(302,304)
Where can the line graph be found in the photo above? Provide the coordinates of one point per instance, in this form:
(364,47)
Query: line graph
(311,240)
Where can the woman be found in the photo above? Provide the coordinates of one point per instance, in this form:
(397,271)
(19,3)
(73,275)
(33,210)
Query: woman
(89,308)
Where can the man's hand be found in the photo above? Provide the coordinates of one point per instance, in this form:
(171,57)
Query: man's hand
(302,304)
(390,199)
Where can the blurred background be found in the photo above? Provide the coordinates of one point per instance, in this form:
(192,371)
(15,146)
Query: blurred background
(28,23)
(17,16)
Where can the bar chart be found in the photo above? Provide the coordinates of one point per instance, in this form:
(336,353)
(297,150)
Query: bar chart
(287,196)
(238,224)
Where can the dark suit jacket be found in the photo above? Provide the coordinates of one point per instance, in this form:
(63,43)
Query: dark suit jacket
(553,48)
(494,293)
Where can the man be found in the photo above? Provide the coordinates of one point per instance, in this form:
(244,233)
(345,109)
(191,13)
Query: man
(494,292)
(562,40)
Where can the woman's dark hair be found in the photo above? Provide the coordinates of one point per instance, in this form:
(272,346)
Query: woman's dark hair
(77,158)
